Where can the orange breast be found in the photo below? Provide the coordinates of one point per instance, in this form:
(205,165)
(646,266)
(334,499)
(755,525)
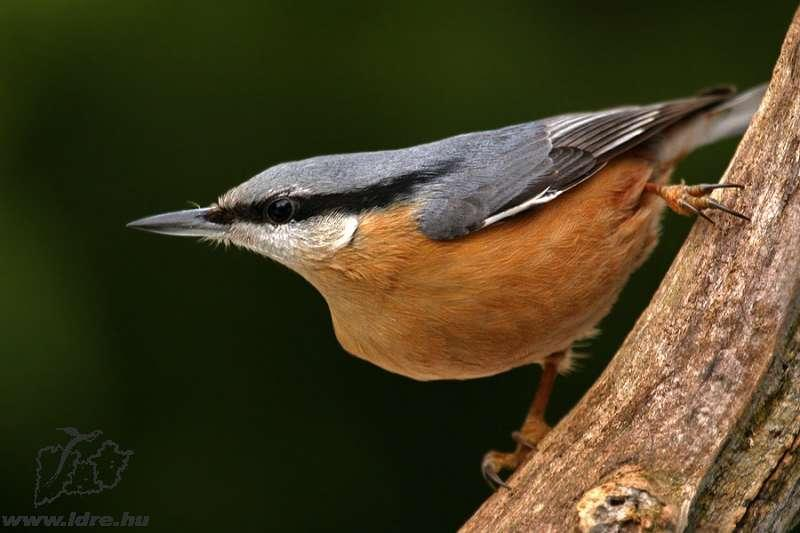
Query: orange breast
(502,297)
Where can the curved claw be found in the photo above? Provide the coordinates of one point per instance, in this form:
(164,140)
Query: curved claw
(694,199)
(716,205)
(705,187)
(491,465)
(693,209)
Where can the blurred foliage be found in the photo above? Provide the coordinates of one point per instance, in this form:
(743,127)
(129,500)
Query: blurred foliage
(218,368)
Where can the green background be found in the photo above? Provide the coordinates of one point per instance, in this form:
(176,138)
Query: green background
(218,368)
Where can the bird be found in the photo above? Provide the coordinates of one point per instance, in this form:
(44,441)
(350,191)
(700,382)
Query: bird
(482,252)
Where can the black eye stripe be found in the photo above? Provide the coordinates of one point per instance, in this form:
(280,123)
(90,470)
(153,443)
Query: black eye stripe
(260,212)
(310,205)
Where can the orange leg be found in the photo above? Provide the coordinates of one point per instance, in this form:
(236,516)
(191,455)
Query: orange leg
(533,429)
(693,199)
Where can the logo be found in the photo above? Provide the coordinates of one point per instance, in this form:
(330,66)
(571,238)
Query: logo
(81,466)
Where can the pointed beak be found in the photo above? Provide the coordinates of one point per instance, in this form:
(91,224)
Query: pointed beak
(188,223)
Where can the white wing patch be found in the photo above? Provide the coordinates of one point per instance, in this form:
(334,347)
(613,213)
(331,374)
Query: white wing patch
(571,122)
(541,198)
(626,134)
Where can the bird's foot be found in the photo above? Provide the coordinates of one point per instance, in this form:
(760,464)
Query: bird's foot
(495,462)
(694,199)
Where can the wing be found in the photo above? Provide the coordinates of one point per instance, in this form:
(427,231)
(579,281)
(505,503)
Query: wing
(514,169)
(583,143)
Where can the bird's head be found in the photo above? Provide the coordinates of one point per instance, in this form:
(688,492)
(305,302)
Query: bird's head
(299,213)
(281,214)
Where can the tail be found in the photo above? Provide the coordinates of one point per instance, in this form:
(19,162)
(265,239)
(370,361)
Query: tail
(729,118)
(732,117)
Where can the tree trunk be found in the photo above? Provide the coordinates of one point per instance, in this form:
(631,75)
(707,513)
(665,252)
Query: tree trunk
(695,424)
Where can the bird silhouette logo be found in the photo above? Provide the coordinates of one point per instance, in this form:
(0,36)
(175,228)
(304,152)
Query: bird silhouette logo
(81,466)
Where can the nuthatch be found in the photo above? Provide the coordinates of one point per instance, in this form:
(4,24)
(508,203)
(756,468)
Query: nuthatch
(479,253)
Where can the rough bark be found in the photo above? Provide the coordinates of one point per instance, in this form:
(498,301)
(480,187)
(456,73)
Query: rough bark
(695,424)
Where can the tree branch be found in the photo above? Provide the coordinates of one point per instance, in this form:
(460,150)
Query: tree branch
(696,421)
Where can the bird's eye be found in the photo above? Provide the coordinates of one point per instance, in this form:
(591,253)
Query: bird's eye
(280,210)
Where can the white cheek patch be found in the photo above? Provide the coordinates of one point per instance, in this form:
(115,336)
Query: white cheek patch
(349,227)
(298,243)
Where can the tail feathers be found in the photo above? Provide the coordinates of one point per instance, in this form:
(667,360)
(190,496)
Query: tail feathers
(732,116)
(728,119)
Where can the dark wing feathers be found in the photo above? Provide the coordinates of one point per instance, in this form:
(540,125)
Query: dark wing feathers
(504,172)
(582,143)
(568,167)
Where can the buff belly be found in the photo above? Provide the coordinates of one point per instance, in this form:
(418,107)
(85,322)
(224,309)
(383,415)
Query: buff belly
(505,296)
